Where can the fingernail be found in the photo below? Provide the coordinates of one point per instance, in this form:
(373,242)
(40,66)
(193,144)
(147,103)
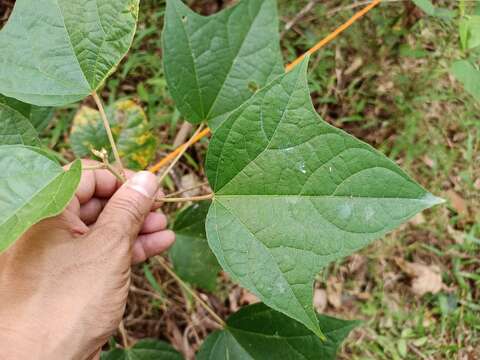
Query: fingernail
(145,183)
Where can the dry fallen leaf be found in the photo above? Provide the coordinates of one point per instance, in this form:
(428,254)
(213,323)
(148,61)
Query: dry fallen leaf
(458,236)
(320,300)
(247,298)
(425,278)
(458,203)
(476,185)
(418,219)
(334,292)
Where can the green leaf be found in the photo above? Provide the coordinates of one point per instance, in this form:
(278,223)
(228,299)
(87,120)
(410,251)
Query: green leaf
(469,76)
(293,193)
(56,52)
(32,188)
(426,6)
(15,127)
(431,10)
(40,117)
(192,259)
(144,350)
(213,64)
(257,332)
(136,143)
(469,29)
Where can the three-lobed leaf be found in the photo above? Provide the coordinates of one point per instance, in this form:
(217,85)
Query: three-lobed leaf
(214,64)
(192,259)
(144,350)
(136,143)
(32,187)
(55,52)
(293,193)
(257,332)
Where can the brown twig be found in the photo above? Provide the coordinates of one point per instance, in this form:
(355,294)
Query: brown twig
(187,189)
(123,333)
(305,10)
(187,288)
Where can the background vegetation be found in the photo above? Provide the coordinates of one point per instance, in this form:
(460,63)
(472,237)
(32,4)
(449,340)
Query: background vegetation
(387,81)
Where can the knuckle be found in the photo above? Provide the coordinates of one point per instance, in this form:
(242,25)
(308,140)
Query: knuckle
(131,208)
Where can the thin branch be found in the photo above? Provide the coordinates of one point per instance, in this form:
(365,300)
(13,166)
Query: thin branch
(187,189)
(180,154)
(103,155)
(187,288)
(123,333)
(185,199)
(106,124)
(306,9)
(356,5)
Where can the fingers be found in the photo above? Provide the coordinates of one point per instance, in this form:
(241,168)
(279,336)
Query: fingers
(154,222)
(90,211)
(96,183)
(152,244)
(126,211)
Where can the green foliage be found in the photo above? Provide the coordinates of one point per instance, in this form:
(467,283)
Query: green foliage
(213,64)
(293,194)
(144,350)
(15,127)
(136,143)
(469,29)
(192,259)
(55,52)
(41,116)
(33,188)
(431,10)
(257,332)
(469,76)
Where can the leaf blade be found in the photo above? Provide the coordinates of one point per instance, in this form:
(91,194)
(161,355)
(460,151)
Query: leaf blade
(144,350)
(192,259)
(15,127)
(58,51)
(259,333)
(293,193)
(34,188)
(213,77)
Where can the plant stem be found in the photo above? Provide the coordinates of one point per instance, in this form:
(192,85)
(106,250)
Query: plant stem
(185,199)
(123,333)
(185,147)
(106,124)
(187,288)
(106,165)
(187,189)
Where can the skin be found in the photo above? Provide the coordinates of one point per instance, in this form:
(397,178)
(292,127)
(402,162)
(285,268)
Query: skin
(64,283)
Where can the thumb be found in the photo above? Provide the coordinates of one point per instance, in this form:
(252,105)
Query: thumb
(129,206)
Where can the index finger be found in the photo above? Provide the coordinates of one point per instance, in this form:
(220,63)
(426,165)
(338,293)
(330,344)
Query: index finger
(98,183)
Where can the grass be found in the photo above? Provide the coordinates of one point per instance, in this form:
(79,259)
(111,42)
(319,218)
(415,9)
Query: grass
(386,80)
(403,101)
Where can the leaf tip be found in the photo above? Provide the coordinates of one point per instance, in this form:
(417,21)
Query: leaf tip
(431,200)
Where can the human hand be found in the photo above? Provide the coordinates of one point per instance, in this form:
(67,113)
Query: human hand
(64,284)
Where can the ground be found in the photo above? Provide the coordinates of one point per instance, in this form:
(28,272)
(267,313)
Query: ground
(386,80)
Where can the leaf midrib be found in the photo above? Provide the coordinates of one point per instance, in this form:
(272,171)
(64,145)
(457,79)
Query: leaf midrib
(71,45)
